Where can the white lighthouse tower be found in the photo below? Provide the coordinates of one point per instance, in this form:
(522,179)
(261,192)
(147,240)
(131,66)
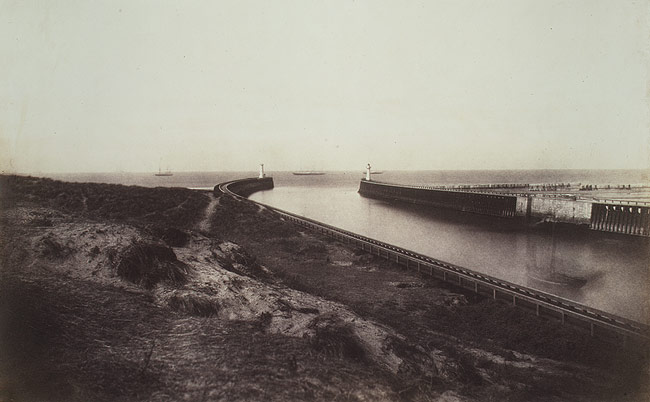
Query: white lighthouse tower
(368,172)
(262,174)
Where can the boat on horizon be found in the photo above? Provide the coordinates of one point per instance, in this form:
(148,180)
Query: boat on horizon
(308,173)
(165,173)
(161,173)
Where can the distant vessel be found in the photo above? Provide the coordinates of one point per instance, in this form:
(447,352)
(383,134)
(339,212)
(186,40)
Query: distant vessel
(308,173)
(165,173)
(375,172)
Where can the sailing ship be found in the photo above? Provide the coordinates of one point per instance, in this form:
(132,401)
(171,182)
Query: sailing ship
(165,173)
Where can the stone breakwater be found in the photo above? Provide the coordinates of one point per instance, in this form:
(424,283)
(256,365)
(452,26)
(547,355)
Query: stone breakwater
(480,203)
(246,187)
(618,217)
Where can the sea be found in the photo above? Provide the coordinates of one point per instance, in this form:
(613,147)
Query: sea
(610,272)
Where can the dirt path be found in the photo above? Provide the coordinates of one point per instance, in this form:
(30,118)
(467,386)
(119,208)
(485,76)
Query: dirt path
(204,223)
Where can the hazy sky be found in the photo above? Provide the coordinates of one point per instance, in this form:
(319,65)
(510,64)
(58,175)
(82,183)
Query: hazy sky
(95,86)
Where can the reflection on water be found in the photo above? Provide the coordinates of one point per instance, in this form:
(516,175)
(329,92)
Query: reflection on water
(560,263)
(601,270)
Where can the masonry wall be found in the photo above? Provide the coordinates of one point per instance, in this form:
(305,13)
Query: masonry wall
(479,203)
(569,211)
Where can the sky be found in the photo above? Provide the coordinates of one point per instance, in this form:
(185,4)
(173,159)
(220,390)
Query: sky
(108,86)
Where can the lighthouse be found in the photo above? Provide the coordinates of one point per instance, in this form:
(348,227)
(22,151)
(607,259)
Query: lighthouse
(368,172)
(262,174)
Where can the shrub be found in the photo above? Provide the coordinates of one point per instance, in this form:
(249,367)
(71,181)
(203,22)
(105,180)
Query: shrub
(334,337)
(172,236)
(147,264)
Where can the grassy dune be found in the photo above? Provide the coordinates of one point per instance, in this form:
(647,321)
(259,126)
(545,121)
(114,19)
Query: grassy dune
(123,293)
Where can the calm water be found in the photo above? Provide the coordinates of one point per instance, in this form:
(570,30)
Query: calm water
(605,271)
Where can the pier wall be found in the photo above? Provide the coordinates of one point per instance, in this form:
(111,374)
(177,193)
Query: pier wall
(626,219)
(523,206)
(479,203)
(502,205)
(556,209)
(246,187)
(615,216)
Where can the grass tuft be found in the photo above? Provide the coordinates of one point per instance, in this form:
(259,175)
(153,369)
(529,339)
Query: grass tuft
(51,248)
(334,337)
(194,304)
(148,264)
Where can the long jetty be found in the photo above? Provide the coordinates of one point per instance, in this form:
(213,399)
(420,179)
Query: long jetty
(616,216)
(598,323)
